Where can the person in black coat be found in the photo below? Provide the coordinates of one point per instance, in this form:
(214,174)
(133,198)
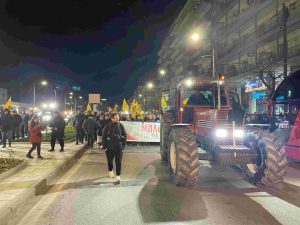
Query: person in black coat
(114,139)
(24,124)
(17,118)
(77,124)
(7,125)
(58,125)
(89,127)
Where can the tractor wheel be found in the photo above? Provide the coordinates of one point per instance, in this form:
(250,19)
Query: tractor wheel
(165,126)
(183,161)
(270,166)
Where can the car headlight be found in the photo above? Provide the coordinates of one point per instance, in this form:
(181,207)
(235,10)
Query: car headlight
(221,133)
(239,133)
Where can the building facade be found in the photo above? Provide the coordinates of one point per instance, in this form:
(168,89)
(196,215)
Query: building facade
(249,38)
(3,96)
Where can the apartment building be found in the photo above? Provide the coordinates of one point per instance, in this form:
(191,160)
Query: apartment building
(247,37)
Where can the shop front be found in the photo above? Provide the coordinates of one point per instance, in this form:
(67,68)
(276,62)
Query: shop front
(257,96)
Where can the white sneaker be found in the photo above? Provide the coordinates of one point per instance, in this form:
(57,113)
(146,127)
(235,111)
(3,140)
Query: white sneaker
(111,174)
(118,178)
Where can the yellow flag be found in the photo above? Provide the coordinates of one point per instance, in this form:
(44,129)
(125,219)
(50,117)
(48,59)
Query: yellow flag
(185,101)
(133,109)
(116,108)
(138,110)
(8,104)
(88,108)
(125,107)
(163,102)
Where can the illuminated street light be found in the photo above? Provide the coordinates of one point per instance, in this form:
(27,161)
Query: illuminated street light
(71,93)
(150,85)
(140,95)
(162,72)
(71,97)
(80,97)
(44,83)
(195,36)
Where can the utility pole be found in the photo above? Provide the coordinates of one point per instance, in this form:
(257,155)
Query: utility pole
(285,15)
(213,40)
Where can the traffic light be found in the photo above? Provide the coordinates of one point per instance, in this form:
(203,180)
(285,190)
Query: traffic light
(221,77)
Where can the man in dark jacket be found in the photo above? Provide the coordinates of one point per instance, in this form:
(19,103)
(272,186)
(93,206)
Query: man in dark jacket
(77,124)
(6,127)
(114,140)
(17,125)
(89,127)
(24,124)
(58,125)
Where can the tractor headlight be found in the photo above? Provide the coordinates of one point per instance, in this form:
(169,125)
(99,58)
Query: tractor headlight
(221,133)
(239,133)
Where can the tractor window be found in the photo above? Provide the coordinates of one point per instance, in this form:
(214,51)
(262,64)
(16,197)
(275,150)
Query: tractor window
(234,101)
(196,97)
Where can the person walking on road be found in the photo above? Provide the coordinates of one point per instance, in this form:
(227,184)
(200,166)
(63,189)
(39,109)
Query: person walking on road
(89,127)
(100,126)
(7,124)
(35,137)
(78,122)
(58,125)
(114,140)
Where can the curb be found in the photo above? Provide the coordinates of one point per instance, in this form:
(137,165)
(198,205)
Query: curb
(41,187)
(13,170)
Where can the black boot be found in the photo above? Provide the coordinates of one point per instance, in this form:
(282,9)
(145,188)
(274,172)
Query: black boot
(40,157)
(61,150)
(51,150)
(29,156)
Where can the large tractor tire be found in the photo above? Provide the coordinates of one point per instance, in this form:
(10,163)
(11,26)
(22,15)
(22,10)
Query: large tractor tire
(165,126)
(270,166)
(183,161)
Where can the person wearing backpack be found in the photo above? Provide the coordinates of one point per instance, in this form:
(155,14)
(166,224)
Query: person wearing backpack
(114,140)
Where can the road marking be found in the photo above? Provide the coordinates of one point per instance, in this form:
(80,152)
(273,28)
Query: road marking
(283,211)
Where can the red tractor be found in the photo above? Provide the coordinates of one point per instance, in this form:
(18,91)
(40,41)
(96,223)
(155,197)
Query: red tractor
(207,123)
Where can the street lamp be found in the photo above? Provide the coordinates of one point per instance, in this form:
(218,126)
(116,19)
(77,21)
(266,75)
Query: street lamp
(44,83)
(150,85)
(196,37)
(162,72)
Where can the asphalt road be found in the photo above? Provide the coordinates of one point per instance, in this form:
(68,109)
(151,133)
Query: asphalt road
(86,196)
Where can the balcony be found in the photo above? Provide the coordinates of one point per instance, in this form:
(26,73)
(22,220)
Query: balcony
(267,26)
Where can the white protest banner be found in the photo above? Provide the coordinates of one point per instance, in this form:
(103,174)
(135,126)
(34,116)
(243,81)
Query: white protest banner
(142,132)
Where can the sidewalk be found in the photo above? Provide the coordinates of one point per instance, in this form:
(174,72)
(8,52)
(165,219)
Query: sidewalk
(28,182)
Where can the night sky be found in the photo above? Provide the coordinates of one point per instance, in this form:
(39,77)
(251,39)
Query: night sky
(103,48)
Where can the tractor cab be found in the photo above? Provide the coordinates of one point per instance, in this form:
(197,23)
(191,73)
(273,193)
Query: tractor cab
(210,109)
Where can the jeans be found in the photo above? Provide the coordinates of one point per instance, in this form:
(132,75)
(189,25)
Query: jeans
(110,155)
(79,135)
(90,138)
(36,146)
(6,135)
(16,132)
(24,130)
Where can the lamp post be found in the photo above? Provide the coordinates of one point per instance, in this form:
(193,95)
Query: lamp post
(44,83)
(55,95)
(195,37)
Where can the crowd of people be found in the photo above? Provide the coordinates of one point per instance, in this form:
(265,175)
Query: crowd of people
(13,126)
